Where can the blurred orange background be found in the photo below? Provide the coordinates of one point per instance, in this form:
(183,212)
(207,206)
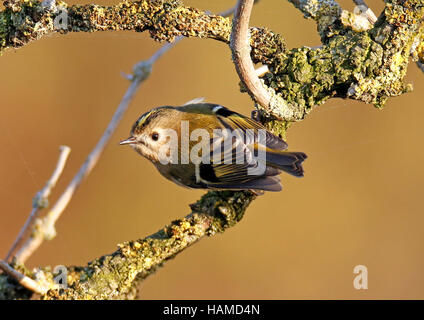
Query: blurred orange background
(359,203)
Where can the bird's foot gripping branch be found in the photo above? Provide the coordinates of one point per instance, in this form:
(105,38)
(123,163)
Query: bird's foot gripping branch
(366,61)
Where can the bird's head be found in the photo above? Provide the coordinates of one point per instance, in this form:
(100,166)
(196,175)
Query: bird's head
(151,131)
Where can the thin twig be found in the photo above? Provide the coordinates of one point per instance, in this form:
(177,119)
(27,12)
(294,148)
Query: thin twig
(266,97)
(46,228)
(372,18)
(40,200)
(25,281)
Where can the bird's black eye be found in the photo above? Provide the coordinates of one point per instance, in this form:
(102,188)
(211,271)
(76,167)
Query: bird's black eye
(155,136)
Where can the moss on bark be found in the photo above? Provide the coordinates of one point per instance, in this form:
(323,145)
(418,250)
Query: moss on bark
(366,65)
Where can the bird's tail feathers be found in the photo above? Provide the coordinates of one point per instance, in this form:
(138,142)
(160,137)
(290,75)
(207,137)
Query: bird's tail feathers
(290,162)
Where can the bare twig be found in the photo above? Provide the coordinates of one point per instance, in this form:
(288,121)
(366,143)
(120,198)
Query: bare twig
(139,258)
(25,281)
(266,97)
(47,224)
(372,18)
(46,227)
(40,200)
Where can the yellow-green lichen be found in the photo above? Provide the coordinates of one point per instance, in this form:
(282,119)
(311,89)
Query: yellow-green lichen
(116,276)
(367,65)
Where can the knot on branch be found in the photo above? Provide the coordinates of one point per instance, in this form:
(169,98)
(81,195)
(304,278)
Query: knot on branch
(40,201)
(141,71)
(44,229)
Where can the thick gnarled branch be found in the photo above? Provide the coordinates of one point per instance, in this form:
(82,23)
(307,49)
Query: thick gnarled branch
(367,65)
(116,276)
(136,260)
(23,22)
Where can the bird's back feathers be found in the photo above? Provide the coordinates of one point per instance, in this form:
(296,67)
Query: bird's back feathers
(226,171)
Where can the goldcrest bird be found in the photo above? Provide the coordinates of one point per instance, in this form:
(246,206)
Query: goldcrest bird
(235,152)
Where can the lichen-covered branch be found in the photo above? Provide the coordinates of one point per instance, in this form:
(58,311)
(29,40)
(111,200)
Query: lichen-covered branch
(363,62)
(324,12)
(25,21)
(116,276)
(367,65)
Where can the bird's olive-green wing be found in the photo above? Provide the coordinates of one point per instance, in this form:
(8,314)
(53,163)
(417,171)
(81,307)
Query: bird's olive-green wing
(233,120)
(235,168)
(235,177)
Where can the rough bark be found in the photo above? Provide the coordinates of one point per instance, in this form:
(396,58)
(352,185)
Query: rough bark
(367,65)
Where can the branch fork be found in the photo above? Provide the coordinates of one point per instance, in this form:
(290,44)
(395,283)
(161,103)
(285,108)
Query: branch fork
(271,102)
(315,73)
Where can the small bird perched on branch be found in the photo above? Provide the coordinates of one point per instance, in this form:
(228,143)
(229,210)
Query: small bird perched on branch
(204,145)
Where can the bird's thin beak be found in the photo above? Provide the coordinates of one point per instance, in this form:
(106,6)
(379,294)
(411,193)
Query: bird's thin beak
(130,140)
